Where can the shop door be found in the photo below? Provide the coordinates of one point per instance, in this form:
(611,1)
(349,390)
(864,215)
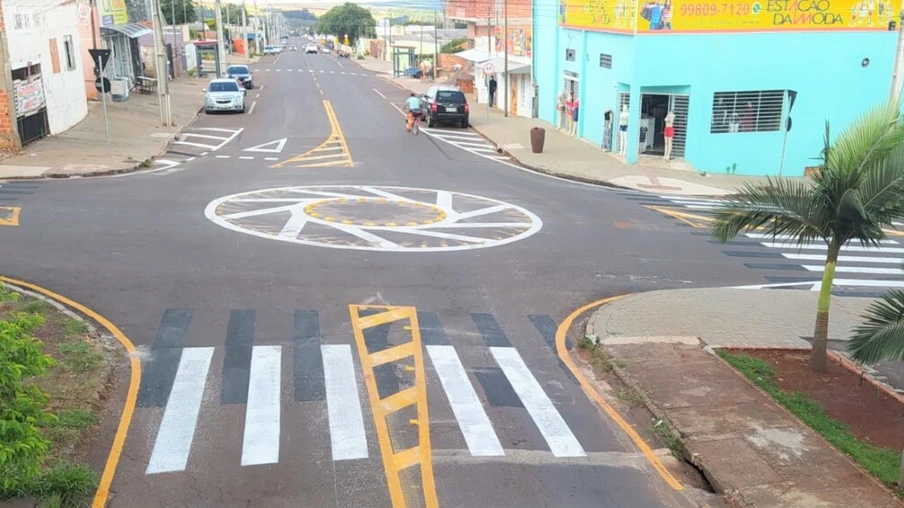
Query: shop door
(31,108)
(678,105)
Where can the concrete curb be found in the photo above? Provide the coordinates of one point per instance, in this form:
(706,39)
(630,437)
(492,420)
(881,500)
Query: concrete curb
(695,458)
(114,171)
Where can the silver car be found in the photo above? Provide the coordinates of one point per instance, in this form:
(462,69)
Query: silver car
(224,95)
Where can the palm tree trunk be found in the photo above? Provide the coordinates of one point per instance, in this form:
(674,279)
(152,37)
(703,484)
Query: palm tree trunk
(821,331)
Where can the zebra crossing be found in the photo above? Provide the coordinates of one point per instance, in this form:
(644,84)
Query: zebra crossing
(178,378)
(860,271)
(468,141)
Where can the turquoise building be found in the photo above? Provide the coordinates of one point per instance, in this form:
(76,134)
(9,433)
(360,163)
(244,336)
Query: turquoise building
(731,74)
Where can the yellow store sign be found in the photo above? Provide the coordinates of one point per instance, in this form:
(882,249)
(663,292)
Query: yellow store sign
(690,16)
(112,12)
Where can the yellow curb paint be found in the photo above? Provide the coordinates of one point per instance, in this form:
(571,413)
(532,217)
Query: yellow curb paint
(562,351)
(125,419)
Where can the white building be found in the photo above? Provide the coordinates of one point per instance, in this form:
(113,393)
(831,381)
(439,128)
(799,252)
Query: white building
(45,58)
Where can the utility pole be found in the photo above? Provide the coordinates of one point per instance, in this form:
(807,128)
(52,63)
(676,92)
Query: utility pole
(245,34)
(173,20)
(203,23)
(257,25)
(221,48)
(184,12)
(897,76)
(435,47)
(163,95)
(228,24)
(505,48)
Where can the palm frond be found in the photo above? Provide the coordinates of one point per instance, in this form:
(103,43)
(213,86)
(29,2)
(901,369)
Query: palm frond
(783,207)
(882,186)
(867,139)
(881,335)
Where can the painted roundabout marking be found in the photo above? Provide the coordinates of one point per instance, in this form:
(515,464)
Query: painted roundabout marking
(374,218)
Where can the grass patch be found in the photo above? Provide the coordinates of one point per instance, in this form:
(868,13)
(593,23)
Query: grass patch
(75,327)
(882,463)
(64,485)
(8,295)
(630,397)
(36,307)
(586,343)
(80,356)
(674,444)
(68,425)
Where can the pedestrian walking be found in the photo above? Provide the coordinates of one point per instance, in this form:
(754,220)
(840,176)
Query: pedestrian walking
(492,91)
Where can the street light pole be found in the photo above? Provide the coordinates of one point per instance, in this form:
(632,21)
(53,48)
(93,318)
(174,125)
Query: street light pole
(166,113)
(257,26)
(203,23)
(505,49)
(245,44)
(221,48)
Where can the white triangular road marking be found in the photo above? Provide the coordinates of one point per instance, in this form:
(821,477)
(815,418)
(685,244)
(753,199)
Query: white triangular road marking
(269,147)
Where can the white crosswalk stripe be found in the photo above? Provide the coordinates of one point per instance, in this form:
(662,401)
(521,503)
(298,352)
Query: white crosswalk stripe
(184,415)
(467,141)
(858,260)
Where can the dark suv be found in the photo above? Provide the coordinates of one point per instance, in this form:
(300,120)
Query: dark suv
(241,73)
(445,104)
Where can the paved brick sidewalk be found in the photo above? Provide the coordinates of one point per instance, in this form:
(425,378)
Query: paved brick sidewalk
(746,444)
(135,132)
(574,158)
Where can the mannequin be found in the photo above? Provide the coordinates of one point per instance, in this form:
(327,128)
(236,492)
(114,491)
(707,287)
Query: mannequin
(669,134)
(607,131)
(560,110)
(575,109)
(623,131)
(569,112)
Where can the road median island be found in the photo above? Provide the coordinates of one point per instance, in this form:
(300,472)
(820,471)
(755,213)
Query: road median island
(56,375)
(752,433)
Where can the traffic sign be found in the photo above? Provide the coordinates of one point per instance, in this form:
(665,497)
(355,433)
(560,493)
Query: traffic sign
(102,54)
(102,85)
(488,69)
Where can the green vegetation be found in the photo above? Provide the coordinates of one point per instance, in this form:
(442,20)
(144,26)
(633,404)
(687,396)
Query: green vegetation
(454,46)
(7,295)
(880,462)
(347,19)
(50,390)
(856,194)
(184,11)
(672,441)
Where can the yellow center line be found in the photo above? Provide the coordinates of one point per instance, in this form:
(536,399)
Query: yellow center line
(562,350)
(125,419)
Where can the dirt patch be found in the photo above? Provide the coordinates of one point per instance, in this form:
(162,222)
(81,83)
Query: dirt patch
(870,413)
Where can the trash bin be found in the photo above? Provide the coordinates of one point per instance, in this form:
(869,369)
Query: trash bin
(537,138)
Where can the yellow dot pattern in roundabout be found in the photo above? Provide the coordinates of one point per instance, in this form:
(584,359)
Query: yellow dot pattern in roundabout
(375,212)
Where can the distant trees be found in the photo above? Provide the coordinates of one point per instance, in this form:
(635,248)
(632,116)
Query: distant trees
(302,14)
(347,19)
(183,10)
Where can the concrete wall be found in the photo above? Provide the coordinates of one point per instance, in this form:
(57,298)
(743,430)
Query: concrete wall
(36,35)
(9,136)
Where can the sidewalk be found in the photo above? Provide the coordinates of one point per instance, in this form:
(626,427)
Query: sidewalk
(748,446)
(574,158)
(135,136)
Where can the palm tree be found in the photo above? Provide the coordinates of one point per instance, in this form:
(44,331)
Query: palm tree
(858,191)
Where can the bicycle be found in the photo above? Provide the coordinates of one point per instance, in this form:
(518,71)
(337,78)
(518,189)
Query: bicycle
(415,123)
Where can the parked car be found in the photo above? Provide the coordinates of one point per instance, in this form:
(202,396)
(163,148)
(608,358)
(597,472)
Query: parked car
(310,48)
(224,95)
(241,73)
(445,104)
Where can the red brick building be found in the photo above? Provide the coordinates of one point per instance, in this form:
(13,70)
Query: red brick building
(9,135)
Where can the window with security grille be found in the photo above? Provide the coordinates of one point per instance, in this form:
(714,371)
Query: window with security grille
(569,55)
(757,111)
(605,61)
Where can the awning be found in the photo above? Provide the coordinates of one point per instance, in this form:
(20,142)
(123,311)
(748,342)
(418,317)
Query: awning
(474,55)
(514,66)
(130,30)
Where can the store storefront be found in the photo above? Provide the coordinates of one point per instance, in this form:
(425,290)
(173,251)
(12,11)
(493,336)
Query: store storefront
(717,89)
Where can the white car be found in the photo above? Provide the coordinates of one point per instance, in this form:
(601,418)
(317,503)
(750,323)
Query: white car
(310,48)
(224,95)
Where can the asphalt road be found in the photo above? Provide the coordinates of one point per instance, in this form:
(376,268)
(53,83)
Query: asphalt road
(254,392)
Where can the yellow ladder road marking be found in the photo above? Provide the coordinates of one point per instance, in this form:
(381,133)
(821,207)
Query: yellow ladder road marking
(9,215)
(336,138)
(396,461)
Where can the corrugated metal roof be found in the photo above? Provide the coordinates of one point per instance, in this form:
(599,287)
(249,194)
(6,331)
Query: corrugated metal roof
(131,30)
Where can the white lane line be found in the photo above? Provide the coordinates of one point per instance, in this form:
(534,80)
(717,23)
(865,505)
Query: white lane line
(300,70)
(246,157)
(332,72)
(843,259)
(214,129)
(767,236)
(561,441)
(257,96)
(190,159)
(205,136)
(444,201)
(261,440)
(321,72)
(262,87)
(440,132)
(342,73)
(177,429)
(857,269)
(268,70)
(289,70)
(343,404)
(482,211)
(199,145)
(271,158)
(339,64)
(278,70)
(234,134)
(693,199)
(469,145)
(223,156)
(204,153)
(251,110)
(816,285)
(294,225)
(846,248)
(488,150)
(379,93)
(472,419)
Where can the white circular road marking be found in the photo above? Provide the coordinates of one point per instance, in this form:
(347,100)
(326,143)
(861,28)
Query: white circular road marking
(374,218)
